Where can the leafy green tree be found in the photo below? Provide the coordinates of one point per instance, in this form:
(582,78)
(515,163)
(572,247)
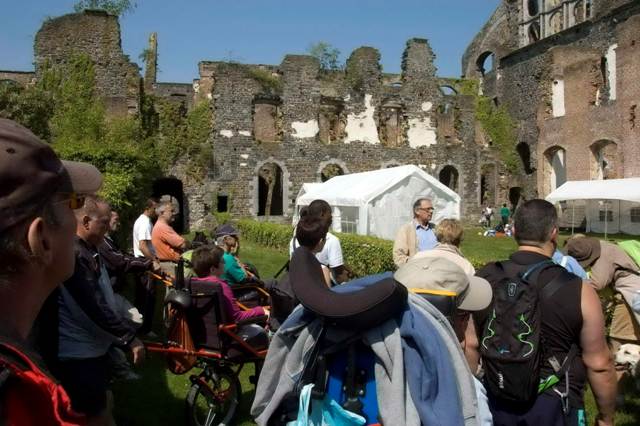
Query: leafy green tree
(328,56)
(31,106)
(113,7)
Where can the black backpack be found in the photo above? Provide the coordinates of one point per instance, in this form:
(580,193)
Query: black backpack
(511,341)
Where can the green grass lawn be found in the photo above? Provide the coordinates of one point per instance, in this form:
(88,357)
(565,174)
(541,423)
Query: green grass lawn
(158,398)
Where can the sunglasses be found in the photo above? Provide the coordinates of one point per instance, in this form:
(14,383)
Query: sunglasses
(75,200)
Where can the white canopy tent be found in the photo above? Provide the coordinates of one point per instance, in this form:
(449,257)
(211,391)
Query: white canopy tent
(378,202)
(610,206)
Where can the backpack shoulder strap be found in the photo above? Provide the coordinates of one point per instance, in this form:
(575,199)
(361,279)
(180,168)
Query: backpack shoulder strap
(552,287)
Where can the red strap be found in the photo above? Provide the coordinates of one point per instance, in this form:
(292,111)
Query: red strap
(31,397)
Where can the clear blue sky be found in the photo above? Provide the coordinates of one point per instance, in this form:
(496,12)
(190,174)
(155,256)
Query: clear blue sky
(260,31)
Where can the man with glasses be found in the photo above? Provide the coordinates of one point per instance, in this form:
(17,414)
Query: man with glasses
(417,235)
(90,321)
(37,228)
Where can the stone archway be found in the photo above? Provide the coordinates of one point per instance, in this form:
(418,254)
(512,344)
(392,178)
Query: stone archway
(329,171)
(605,162)
(486,62)
(525,156)
(555,168)
(270,193)
(450,177)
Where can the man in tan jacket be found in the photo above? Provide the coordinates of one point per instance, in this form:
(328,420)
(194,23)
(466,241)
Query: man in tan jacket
(417,235)
(611,266)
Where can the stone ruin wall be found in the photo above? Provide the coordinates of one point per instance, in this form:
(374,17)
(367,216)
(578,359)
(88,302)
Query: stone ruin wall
(96,34)
(296,116)
(559,92)
(303,119)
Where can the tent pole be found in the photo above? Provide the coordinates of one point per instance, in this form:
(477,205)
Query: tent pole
(606,219)
(573,216)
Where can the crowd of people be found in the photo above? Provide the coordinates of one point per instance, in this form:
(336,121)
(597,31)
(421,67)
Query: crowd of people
(519,339)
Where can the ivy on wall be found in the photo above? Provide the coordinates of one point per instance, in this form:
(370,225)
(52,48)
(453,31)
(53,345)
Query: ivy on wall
(496,123)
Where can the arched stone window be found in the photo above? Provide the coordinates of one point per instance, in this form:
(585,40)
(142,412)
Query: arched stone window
(270,190)
(605,163)
(555,170)
(329,171)
(449,176)
(525,156)
(534,32)
(556,22)
(267,126)
(485,62)
(533,7)
(448,90)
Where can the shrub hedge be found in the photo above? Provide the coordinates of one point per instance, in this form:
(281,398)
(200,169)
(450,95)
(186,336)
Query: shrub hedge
(364,255)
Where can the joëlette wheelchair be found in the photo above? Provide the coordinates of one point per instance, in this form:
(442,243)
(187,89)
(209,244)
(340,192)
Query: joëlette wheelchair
(201,335)
(344,370)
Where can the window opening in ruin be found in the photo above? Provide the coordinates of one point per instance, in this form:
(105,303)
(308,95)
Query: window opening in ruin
(449,176)
(556,170)
(171,189)
(604,75)
(329,171)
(448,91)
(487,184)
(579,12)
(266,120)
(556,22)
(605,160)
(634,214)
(270,200)
(485,62)
(515,195)
(390,126)
(525,156)
(331,120)
(534,32)
(222,203)
(533,7)
(587,8)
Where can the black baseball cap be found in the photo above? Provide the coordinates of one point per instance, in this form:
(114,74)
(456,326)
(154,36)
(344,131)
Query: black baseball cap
(31,172)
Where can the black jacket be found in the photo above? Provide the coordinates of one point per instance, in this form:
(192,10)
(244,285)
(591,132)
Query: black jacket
(118,264)
(84,287)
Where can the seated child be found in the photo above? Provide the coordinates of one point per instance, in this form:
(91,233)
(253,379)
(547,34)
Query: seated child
(208,266)
(311,233)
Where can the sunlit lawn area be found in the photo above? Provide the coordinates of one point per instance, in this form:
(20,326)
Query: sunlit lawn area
(158,398)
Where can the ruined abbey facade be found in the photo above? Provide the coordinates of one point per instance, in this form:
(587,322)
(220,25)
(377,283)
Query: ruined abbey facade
(566,70)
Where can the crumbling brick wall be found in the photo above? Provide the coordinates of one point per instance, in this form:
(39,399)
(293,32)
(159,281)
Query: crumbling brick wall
(96,34)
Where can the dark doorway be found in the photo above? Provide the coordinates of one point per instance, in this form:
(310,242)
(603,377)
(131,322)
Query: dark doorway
(515,195)
(222,203)
(270,201)
(449,176)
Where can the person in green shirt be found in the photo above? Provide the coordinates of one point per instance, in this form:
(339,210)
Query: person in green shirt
(234,271)
(505,213)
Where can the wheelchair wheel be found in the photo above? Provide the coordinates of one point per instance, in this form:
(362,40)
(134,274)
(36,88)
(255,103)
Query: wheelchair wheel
(213,398)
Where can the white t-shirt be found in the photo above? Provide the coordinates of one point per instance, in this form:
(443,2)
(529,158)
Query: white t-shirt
(330,255)
(141,232)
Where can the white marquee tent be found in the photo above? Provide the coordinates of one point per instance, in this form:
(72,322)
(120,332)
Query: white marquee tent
(610,206)
(378,202)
